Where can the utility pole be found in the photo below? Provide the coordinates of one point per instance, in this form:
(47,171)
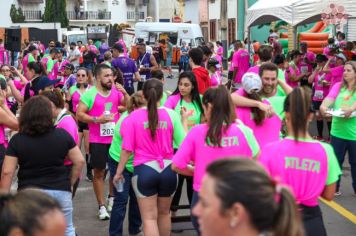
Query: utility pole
(156,11)
(137,11)
(223,29)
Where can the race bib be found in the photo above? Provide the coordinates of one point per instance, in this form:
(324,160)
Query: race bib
(107,129)
(143,78)
(319,94)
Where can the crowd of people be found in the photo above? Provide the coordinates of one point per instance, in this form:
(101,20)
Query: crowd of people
(241,143)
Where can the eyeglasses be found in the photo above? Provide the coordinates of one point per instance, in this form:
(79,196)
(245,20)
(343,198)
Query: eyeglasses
(6,70)
(81,75)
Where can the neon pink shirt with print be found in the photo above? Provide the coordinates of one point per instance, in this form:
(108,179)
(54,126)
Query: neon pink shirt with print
(305,166)
(337,74)
(303,66)
(27,59)
(238,140)
(293,71)
(241,60)
(68,124)
(270,129)
(97,104)
(75,95)
(321,91)
(219,53)
(137,136)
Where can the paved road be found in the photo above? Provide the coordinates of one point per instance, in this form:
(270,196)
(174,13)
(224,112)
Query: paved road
(87,223)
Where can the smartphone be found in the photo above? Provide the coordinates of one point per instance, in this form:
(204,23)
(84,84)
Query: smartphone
(3,84)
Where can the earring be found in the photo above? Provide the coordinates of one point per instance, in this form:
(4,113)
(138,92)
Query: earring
(233,222)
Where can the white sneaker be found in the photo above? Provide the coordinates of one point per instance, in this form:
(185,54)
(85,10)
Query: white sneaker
(338,193)
(103,214)
(110,203)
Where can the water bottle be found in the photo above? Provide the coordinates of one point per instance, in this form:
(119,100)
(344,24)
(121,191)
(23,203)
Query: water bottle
(119,185)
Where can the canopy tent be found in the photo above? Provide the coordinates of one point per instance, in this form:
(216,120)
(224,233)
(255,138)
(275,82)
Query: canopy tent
(294,12)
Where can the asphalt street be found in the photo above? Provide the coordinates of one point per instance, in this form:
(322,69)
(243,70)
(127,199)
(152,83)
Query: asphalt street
(339,217)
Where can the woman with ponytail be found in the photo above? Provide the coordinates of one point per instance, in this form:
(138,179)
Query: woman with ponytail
(225,209)
(34,72)
(222,136)
(307,166)
(148,133)
(118,211)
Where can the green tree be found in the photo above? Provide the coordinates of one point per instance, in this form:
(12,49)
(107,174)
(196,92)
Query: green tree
(55,11)
(16,15)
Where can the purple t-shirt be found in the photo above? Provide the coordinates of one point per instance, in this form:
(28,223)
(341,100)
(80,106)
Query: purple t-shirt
(128,69)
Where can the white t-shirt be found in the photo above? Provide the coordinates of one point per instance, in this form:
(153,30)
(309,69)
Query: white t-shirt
(72,54)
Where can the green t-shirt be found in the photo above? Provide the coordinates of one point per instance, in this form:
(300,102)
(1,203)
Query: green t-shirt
(164,98)
(334,170)
(280,91)
(178,129)
(277,102)
(31,58)
(344,128)
(251,140)
(115,148)
(194,119)
(50,64)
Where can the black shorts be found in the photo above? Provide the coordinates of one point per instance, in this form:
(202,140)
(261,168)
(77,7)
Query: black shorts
(316,105)
(149,180)
(82,126)
(2,156)
(99,153)
(313,221)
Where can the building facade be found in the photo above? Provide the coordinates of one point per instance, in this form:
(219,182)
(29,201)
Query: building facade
(82,12)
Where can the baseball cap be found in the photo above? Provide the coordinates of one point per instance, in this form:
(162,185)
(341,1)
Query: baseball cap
(213,62)
(45,82)
(251,82)
(341,56)
(118,47)
(69,66)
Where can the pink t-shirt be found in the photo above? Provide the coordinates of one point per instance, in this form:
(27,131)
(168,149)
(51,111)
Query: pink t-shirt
(97,104)
(237,141)
(269,130)
(320,91)
(337,74)
(75,95)
(68,124)
(215,79)
(305,166)
(334,90)
(137,136)
(2,134)
(296,72)
(303,66)
(172,101)
(241,60)
(219,53)
(23,90)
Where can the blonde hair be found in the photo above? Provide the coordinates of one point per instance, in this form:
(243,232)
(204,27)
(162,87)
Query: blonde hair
(344,82)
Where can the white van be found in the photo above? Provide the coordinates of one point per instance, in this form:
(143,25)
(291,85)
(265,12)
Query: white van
(177,32)
(75,36)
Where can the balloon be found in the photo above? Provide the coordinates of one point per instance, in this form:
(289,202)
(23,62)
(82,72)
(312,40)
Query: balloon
(340,8)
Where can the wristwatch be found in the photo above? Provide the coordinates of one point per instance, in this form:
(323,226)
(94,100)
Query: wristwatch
(95,119)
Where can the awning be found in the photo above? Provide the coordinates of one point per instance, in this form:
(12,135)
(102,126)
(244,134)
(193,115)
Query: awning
(30,1)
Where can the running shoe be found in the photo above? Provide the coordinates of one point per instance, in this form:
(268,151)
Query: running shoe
(110,204)
(89,176)
(103,214)
(338,193)
(319,138)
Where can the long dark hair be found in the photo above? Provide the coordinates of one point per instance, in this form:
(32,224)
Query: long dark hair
(152,91)
(256,192)
(258,114)
(298,104)
(222,113)
(194,94)
(36,117)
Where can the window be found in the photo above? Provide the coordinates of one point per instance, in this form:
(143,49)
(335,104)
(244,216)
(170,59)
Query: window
(212,27)
(231,30)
